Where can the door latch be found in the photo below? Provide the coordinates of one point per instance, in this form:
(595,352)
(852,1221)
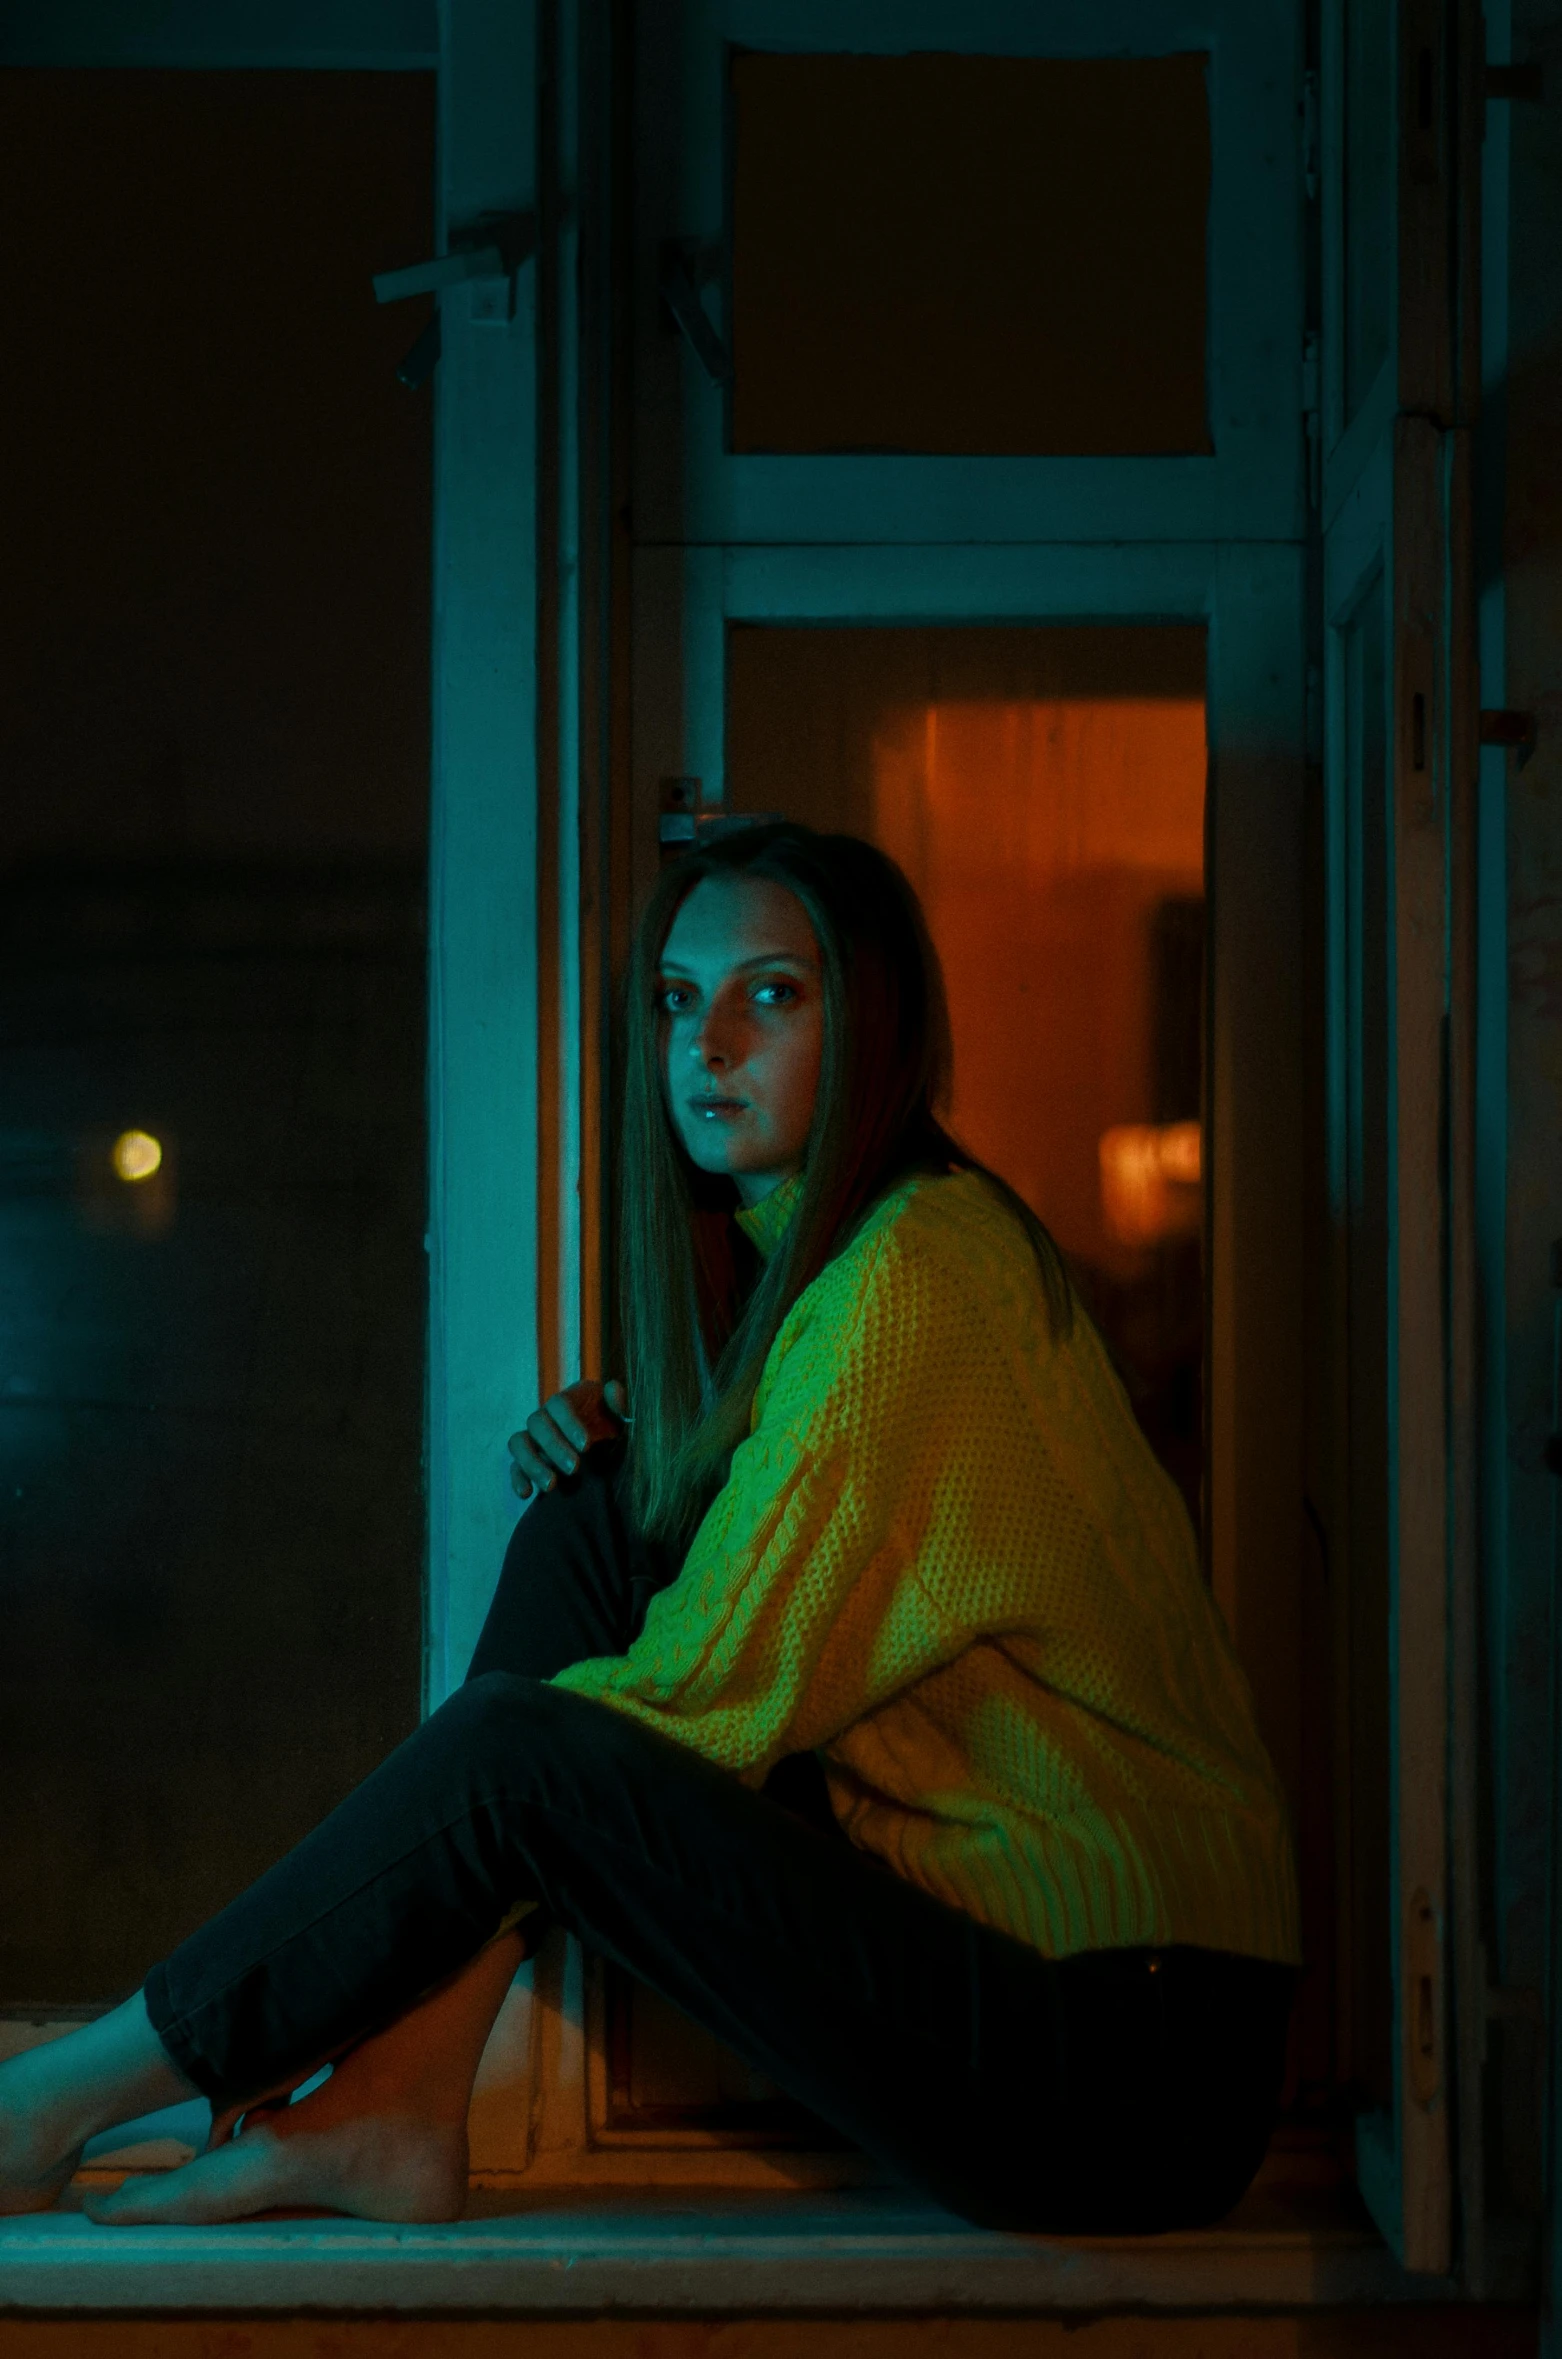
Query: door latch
(486,254)
(679,293)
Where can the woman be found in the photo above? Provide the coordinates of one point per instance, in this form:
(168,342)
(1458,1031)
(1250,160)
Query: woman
(852,1682)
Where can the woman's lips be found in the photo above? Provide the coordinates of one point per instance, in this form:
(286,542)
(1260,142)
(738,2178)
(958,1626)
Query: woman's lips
(711,1109)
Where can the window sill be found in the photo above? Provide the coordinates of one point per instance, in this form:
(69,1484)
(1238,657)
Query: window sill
(706,2251)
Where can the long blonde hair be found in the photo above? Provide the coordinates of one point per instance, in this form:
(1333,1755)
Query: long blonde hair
(698,1315)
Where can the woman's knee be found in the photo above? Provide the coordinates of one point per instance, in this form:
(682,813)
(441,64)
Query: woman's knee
(516,1713)
(597,1477)
(579,1498)
(492,1707)
(562,1590)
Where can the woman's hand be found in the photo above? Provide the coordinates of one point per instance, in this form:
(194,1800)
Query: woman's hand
(555,1435)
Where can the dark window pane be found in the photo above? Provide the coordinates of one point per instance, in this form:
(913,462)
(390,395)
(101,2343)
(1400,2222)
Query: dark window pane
(981,254)
(214,738)
(1044,790)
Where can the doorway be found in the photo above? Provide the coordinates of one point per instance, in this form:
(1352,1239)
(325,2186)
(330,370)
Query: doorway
(920,549)
(1044,791)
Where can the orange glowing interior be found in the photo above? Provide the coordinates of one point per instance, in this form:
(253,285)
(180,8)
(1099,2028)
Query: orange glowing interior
(1043,837)
(1043,787)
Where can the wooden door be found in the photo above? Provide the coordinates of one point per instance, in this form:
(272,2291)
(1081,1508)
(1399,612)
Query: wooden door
(829,336)
(1399,758)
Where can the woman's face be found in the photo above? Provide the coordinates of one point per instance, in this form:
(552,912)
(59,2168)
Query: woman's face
(742,1002)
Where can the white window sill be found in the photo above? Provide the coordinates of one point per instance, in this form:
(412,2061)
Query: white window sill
(695,2251)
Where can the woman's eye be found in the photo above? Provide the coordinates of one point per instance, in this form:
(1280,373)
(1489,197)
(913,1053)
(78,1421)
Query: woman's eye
(782,993)
(674,998)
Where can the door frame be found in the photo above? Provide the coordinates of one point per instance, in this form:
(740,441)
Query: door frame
(690,487)
(1249,598)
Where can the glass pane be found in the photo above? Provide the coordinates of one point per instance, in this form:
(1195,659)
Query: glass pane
(1044,790)
(1367,1277)
(982,254)
(214,737)
(1367,212)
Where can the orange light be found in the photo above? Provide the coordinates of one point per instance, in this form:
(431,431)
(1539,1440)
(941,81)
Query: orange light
(1043,835)
(1150,1176)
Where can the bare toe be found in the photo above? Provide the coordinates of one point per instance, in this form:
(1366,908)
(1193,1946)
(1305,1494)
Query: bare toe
(375,2169)
(252,2173)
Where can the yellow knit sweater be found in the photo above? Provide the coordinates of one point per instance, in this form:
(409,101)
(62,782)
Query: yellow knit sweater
(946,1559)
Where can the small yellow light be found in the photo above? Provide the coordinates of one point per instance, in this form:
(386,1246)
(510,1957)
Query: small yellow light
(136,1154)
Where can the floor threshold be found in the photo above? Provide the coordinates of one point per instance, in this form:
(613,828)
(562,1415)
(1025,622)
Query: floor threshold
(689,2253)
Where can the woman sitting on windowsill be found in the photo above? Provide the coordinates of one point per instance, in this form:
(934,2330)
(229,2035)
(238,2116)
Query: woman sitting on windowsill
(853,1683)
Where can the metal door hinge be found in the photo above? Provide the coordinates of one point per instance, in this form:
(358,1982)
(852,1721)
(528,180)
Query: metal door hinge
(1509,729)
(1423,1965)
(1525,83)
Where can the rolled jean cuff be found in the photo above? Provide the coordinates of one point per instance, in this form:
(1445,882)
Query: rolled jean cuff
(174,2033)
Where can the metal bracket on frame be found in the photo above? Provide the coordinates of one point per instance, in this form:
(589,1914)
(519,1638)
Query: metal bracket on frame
(1515,730)
(488,254)
(676,280)
(686,819)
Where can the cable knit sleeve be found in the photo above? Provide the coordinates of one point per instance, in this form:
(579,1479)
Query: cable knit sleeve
(946,1559)
(793,1616)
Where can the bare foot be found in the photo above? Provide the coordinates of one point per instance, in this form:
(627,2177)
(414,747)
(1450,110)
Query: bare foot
(378,2167)
(54,2097)
(33,2176)
(384,2138)
(37,2149)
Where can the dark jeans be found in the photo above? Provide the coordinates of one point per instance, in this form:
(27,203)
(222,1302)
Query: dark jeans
(1114,2092)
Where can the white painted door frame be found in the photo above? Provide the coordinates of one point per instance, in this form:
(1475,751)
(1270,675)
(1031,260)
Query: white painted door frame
(484,1167)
